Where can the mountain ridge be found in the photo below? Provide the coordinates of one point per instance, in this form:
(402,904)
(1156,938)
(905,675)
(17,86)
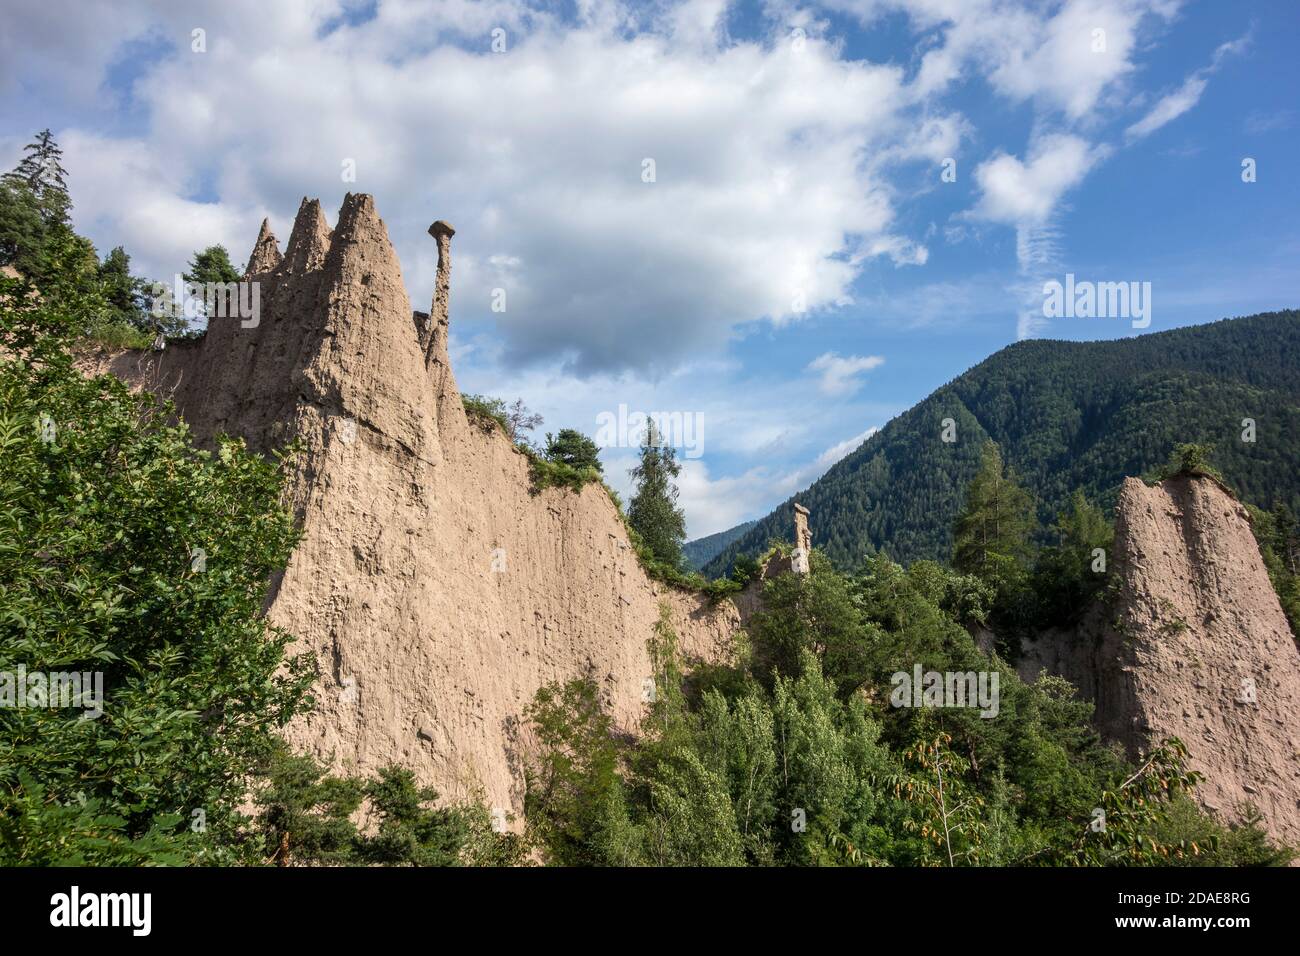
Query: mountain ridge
(699,551)
(1067,415)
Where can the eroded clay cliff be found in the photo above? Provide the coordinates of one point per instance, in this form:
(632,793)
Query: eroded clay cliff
(1193,645)
(437,591)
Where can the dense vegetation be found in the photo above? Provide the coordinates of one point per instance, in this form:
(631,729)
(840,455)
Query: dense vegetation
(1067,416)
(803,751)
(795,753)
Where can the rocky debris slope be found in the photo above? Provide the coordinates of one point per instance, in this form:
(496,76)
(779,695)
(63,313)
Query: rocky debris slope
(437,591)
(1194,646)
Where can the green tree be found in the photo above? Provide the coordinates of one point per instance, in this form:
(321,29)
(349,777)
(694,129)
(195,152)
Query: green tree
(125,552)
(211,265)
(951,812)
(991,538)
(1073,570)
(814,614)
(208,269)
(22,230)
(571,447)
(575,802)
(1190,458)
(124,293)
(1286,537)
(1275,533)
(653,512)
(306,816)
(41,172)
(1123,828)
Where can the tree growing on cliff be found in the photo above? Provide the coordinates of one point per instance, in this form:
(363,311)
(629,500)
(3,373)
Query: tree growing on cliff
(208,268)
(123,292)
(653,512)
(41,173)
(571,447)
(1190,458)
(211,265)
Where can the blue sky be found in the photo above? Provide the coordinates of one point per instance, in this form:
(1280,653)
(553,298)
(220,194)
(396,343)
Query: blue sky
(796,273)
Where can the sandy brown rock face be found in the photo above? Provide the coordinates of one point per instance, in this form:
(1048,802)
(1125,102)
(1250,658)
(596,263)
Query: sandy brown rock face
(266,252)
(1195,647)
(436,591)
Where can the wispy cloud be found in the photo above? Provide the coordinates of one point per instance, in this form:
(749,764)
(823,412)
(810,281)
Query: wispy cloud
(841,374)
(1173,105)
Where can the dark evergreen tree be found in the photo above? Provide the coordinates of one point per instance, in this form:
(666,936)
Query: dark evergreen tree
(572,447)
(1071,571)
(41,172)
(993,531)
(211,265)
(124,293)
(653,512)
(22,230)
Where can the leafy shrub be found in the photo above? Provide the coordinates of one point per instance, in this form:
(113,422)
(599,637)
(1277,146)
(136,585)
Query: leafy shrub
(128,553)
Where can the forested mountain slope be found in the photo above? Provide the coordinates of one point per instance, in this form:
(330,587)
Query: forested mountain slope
(1067,415)
(699,552)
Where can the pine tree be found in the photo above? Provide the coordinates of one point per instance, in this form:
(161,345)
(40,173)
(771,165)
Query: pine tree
(653,512)
(991,538)
(41,172)
(1071,572)
(211,265)
(571,447)
(122,291)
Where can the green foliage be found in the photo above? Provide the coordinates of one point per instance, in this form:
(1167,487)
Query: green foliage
(1066,416)
(126,552)
(992,538)
(992,534)
(513,419)
(575,800)
(951,814)
(1184,826)
(1125,826)
(37,239)
(746,569)
(36,830)
(306,816)
(789,756)
(571,447)
(486,412)
(653,512)
(812,614)
(40,172)
(1189,459)
(1072,572)
(22,230)
(966,598)
(211,265)
(544,473)
(1278,537)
